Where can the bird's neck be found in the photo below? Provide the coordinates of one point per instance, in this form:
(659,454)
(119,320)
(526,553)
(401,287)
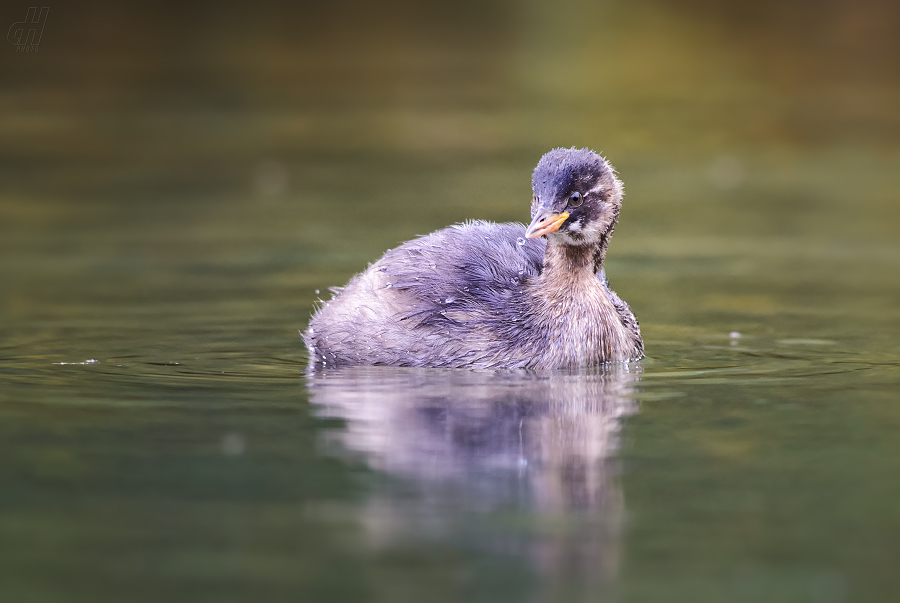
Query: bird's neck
(570,272)
(573,260)
(577,310)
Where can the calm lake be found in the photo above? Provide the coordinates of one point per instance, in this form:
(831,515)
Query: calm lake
(178,189)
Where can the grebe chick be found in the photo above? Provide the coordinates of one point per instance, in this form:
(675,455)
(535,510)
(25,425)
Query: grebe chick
(486,295)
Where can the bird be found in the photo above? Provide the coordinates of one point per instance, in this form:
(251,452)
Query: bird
(485,295)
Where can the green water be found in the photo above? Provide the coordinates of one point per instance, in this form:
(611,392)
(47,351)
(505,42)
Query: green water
(169,217)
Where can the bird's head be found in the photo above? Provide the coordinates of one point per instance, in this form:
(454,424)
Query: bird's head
(576,198)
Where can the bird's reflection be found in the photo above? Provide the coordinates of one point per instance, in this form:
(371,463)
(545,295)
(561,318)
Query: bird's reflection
(466,441)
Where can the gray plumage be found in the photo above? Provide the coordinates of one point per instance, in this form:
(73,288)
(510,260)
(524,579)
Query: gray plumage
(481,295)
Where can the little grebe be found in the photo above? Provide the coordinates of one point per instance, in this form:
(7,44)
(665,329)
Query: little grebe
(486,295)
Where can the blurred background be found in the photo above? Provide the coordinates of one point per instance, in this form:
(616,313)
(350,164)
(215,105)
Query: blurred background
(190,142)
(180,181)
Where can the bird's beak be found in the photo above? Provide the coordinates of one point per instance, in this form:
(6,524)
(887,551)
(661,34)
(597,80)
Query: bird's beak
(545,222)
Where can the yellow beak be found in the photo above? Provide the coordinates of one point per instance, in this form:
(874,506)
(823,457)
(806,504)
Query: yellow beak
(545,223)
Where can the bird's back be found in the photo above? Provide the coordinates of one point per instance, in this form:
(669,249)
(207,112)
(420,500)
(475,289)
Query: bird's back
(436,300)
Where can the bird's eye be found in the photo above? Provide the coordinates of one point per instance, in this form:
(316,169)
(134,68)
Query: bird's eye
(575,199)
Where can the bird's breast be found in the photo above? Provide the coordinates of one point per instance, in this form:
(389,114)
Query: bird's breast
(581,321)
